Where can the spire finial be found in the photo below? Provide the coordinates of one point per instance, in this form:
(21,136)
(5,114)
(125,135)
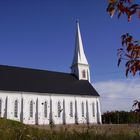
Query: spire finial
(77,20)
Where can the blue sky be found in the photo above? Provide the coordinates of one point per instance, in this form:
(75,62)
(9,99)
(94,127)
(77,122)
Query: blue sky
(41,34)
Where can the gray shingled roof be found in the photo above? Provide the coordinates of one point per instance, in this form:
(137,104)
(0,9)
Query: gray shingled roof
(42,81)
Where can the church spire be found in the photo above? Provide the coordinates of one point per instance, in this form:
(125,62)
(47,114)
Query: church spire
(80,65)
(79,55)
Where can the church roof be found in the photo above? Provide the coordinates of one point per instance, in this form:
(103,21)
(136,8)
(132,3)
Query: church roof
(43,81)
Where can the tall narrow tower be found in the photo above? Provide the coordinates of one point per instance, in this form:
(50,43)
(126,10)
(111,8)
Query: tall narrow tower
(80,66)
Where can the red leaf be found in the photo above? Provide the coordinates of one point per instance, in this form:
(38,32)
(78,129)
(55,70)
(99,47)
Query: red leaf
(129,56)
(112,1)
(129,18)
(130,46)
(129,1)
(139,14)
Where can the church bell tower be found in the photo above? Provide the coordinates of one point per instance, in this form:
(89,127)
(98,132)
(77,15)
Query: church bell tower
(80,66)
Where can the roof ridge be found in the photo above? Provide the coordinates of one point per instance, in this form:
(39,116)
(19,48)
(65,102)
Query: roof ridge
(35,69)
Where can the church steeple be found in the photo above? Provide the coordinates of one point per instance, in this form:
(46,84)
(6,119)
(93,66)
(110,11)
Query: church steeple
(80,66)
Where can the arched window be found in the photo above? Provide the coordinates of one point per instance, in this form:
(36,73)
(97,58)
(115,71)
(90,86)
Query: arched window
(71,109)
(31,108)
(93,109)
(59,109)
(82,107)
(0,107)
(16,108)
(45,109)
(83,74)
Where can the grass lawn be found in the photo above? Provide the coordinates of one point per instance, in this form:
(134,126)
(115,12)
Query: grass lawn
(12,130)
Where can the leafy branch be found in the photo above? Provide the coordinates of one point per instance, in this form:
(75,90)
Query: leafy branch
(123,7)
(130,50)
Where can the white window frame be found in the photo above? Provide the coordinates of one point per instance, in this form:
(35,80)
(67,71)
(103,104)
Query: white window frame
(71,109)
(31,110)
(45,109)
(93,109)
(16,108)
(82,109)
(59,108)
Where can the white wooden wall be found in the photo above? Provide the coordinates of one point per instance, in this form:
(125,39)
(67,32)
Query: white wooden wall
(24,98)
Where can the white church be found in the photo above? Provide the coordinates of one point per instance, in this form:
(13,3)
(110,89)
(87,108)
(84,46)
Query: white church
(41,97)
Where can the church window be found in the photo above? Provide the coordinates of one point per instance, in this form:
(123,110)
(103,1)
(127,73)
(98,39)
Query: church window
(71,109)
(0,107)
(31,108)
(83,74)
(59,109)
(16,108)
(93,109)
(82,106)
(87,75)
(45,109)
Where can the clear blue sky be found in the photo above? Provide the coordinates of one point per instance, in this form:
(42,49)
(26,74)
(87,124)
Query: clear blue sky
(41,34)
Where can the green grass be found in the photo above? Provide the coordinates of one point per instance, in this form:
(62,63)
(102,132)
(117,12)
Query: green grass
(12,130)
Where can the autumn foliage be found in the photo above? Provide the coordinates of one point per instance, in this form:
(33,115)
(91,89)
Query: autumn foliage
(130,50)
(121,7)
